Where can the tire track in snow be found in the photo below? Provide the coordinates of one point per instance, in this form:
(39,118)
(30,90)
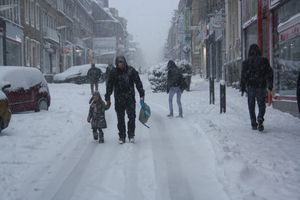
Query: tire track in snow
(187,157)
(166,160)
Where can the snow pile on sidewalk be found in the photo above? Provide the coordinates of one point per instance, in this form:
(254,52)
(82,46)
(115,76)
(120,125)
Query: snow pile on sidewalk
(251,165)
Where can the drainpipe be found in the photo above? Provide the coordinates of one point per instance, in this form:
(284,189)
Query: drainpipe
(260,25)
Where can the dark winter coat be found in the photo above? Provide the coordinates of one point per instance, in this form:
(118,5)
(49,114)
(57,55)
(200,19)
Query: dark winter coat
(256,71)
(122,82)
(175,78)
(94,74)
(109,69)
(97,114)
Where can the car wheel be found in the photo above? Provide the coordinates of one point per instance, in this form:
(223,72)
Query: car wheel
(42,105)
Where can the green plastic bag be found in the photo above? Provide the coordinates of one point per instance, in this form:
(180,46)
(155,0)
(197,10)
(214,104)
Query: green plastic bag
(145,114)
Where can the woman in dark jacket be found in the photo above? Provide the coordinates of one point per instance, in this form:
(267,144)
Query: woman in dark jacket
(174,86)
(257,76)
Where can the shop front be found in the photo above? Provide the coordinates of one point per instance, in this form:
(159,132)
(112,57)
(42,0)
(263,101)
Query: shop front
(286,45)
(10,44)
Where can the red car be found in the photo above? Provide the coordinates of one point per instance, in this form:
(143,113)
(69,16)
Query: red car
(28,88)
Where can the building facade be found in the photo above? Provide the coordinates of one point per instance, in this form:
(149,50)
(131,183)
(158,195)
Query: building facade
(11,33)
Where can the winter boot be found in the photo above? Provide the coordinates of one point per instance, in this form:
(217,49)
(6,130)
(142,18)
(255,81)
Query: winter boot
(101,137)
(254,125)
(121,140)
(261,127)
(131,140)
(95,134)
(170,115)
(179,116)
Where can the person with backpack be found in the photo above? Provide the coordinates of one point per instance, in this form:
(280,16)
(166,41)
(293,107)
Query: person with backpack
(256,78)
(175,85)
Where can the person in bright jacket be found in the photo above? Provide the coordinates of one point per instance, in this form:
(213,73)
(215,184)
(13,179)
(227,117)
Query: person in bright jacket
(96,116)
(175,85)
(121,81)
(94,75)
(256,78)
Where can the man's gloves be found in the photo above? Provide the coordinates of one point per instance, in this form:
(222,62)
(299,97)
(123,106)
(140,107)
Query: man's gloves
(243,92)
(108,103)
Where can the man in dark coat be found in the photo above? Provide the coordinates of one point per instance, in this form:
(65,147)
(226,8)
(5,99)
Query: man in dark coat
(256,77)
(94,75)
(175,85)
(121,81)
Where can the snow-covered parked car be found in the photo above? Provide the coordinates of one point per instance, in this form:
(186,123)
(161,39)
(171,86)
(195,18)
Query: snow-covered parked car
(157,76)
(5,113)
(28,88)
(78,74)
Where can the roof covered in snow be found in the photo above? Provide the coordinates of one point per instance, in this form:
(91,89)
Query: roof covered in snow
(20,77)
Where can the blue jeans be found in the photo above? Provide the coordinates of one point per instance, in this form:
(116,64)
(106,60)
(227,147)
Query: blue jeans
(172,92)
(259,95)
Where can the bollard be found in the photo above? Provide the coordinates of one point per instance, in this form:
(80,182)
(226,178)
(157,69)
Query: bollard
(211,91)
(222,97)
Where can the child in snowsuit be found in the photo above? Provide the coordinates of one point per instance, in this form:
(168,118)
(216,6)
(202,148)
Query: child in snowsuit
(96,116)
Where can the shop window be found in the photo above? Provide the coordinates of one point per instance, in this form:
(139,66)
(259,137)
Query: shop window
(288,10)
(26,3)
(27,52)
(13,53)
(289,66)
(37,16)
(32,13)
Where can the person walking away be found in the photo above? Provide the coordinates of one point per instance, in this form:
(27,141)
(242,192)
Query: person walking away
(121,81)
(175,85)
(94,75)
(96,116)
(256,77)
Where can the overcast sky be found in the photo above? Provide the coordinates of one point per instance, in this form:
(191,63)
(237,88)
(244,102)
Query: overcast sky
(148,22)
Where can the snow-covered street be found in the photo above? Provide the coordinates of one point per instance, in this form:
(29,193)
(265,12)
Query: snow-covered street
(206,155)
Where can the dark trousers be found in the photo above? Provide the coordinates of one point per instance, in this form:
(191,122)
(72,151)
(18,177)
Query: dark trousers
(259,95)
(130,110)
(99,131)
